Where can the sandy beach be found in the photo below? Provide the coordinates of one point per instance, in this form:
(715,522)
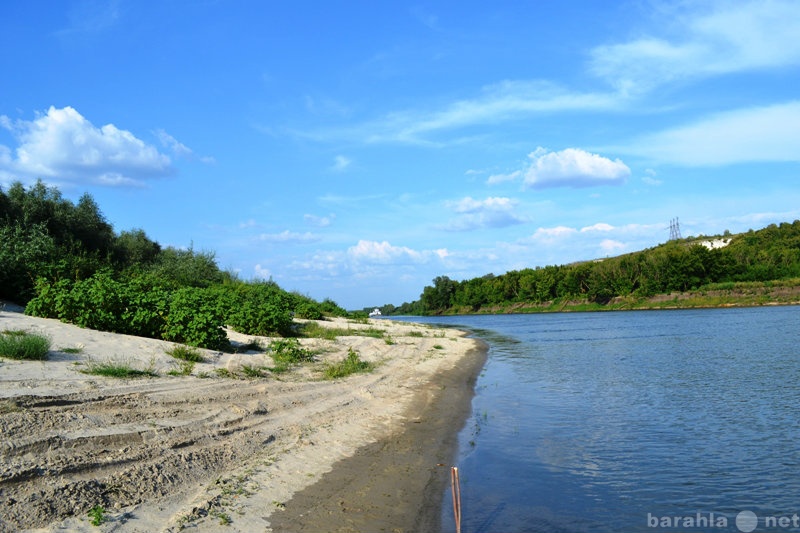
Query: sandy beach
(218,450)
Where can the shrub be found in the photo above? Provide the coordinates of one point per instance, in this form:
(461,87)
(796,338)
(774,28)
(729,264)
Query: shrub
(24,346)
(257,309)
(290,351)
(195,319)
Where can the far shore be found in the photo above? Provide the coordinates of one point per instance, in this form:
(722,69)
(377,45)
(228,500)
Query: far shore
(222,448)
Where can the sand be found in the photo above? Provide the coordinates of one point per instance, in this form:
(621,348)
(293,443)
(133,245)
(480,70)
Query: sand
(215,450)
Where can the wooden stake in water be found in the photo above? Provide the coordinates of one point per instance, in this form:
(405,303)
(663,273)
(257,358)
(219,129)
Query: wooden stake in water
(456,486)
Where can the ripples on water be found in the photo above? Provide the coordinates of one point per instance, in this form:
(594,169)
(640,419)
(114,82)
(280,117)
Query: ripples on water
(592,421)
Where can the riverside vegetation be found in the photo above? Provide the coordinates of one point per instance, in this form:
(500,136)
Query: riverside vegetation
(65,261)
(752,268)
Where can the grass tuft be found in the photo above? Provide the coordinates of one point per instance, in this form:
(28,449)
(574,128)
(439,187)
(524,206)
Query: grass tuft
(112,369)
(186,353)
(352,364)
(21,345)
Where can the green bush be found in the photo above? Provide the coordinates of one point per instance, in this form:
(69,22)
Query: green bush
(257,309)
(24,346)
(195,319)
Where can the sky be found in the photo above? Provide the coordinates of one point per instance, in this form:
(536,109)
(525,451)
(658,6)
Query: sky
(357,150)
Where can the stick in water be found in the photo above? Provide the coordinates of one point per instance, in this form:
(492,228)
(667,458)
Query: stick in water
(456,486)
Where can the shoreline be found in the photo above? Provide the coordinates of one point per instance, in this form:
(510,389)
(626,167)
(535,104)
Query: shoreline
(217,447)
(397,483)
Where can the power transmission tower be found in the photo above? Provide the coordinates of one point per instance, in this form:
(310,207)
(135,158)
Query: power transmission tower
(674,230)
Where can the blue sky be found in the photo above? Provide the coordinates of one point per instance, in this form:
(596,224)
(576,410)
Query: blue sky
(356,150)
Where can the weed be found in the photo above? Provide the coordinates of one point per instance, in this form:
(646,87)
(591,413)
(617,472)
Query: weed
(18,344)
(72,350)
(415,334)
(252,372)
(350,365)
(438,347)
(97,515)
(186,353)
(185,368)
(8,406)
(289,351)
(224,373)
(388,340)
(111,369)
(224,518)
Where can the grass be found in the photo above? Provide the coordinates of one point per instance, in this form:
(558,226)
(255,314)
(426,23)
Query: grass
(186,353)
(315,331)
(21,345)
(185,368)
(111,369)
(352,364)
(252,372)
(72,350)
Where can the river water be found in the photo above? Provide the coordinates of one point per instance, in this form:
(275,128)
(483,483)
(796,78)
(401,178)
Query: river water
(685,420)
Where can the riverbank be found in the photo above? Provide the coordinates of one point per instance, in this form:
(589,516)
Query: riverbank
(215,447)
(720,295)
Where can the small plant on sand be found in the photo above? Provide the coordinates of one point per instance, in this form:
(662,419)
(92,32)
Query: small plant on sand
(97,515)
(415,334)
(252,372)
(185,368)
(290,351)
(113,369)
(22,345)
(352,364)
(71,350)
(186,353)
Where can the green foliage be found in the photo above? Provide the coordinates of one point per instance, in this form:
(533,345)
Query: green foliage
(772,253)
(290,351)
(256,308)
(352,364)
(187,268)
(194,318)
(97,515)
(24,346)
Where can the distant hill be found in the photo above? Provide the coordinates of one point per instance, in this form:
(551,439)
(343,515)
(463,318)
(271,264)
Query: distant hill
(752,268)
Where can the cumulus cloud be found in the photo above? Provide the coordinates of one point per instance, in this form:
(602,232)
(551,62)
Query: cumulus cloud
(492,212)
(729,37)
(758,134)
(373,252)
(600,226)
(555,233)
(62,145)
(572,167)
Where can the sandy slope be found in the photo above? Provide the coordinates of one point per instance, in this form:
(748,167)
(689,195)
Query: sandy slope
(174,452)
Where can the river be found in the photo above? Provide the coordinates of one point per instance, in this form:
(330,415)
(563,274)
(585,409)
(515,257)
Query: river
(682,420)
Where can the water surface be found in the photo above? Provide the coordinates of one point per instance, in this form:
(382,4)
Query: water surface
(610,421)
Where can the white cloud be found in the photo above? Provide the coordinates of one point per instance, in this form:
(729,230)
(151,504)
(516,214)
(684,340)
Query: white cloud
(288,237)
(492,212)
(551,234)
(262,272)
(340,163)
(63,146)
(770,133)
(168,141)
(600,226)
(610,246)
(573,167)
(382,252)
(494,179)
(497,103)
(730,37)
(319,222)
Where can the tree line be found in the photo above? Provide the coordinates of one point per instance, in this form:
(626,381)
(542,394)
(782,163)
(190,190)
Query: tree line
(769,254)
(64,260)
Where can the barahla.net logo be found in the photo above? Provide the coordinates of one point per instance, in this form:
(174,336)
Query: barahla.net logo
(746,521)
